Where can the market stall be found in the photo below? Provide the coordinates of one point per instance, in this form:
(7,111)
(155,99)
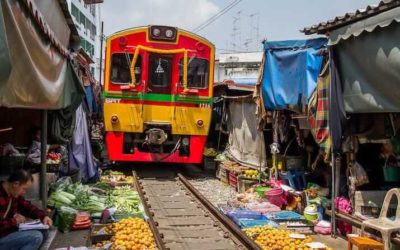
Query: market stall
(38,73)
(110,211)
(363,114)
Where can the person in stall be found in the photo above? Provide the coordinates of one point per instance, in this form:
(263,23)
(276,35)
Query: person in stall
(14,210)
(34,151)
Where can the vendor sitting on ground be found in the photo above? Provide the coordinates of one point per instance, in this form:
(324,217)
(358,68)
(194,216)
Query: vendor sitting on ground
(14,210)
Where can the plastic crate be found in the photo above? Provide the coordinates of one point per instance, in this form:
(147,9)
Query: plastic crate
(244,184)
(391,173)
(284,215)
(255,223)
(246,214)
(120,216)
(233,180)
(224,175)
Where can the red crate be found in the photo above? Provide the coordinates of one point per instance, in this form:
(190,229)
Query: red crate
(233,180)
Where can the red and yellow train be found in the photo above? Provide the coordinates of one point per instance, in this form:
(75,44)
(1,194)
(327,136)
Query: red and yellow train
(157,95)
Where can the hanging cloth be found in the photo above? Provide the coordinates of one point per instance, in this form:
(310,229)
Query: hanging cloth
(318,113)
(80,152)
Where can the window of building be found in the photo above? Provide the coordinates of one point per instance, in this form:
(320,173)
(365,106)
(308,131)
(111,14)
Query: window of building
(197,75)
(160,67)
(82,18)
(75,11)
(93,10)
(120,68)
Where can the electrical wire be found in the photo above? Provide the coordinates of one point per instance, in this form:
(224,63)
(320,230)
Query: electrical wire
(216,16)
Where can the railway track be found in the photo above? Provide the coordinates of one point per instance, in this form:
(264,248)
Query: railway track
(181,218)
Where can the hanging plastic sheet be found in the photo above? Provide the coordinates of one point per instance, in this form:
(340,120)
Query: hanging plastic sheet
(246,143)
(290,72)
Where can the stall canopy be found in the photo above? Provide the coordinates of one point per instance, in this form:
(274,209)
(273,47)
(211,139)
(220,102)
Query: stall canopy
(290,72)
(367,50)
(35,36)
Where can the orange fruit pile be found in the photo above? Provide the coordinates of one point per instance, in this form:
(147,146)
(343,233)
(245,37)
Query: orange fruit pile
(269,238)
(132,234)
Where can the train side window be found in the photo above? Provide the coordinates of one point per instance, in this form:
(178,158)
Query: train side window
(160,70)
(120,68)
(197,76)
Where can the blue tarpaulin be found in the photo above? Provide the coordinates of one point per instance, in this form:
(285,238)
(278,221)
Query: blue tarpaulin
(290,72)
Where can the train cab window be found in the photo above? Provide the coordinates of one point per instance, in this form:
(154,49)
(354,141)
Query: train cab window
(120,68)
(160,70)
(197,76)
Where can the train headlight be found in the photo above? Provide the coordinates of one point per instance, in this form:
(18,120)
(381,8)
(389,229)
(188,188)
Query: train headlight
(156,32)
(185,141)
(200,123)
(169,33)
(114,119)
(162,33)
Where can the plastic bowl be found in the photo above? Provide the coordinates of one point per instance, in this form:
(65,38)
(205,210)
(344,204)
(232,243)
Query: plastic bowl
(311,216)
(261,191)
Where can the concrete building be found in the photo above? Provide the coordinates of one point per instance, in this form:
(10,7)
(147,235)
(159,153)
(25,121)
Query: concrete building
(87,19)
(239,68)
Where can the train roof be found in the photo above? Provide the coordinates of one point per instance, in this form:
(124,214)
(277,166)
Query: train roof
(128,30)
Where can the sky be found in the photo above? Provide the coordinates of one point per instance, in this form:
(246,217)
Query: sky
(240,29)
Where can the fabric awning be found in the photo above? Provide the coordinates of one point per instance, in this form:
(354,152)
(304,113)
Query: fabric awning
(40,77)
(381,20)
(369,70)
(290,72)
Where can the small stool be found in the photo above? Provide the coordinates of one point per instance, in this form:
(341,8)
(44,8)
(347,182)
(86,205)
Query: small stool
(295,179)
(363,243)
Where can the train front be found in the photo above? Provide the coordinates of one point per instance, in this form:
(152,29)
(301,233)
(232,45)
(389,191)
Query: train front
(157,95)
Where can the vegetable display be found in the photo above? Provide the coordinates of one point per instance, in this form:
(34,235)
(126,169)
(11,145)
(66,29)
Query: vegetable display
(124,199)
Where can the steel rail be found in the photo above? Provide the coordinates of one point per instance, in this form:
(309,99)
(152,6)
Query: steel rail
(153,227)
(242,237)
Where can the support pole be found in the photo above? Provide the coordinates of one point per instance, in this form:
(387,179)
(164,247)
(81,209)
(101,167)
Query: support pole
(333,188)
(220,123)
(336,165)
(43,158)
(101,52)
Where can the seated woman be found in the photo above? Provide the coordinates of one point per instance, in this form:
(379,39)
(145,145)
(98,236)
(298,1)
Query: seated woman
(14,210)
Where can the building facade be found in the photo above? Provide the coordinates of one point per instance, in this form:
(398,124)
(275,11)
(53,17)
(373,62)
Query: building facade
(87,19)
(241,68)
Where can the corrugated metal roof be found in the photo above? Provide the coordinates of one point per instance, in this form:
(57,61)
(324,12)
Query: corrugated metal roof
(348,18)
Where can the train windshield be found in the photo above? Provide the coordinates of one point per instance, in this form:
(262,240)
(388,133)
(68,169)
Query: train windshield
(197,76)
(160,70)
(120,68)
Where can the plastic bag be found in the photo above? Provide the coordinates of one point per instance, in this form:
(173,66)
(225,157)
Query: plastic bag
(61,184)
(359,175)
(66,218)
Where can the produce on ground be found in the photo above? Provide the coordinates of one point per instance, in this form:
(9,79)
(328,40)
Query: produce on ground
(116,178)
(269,238)
(132,234)
(82,221)
(124,199)
(101,245)
(77,196)
(66,217)
(253,174)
